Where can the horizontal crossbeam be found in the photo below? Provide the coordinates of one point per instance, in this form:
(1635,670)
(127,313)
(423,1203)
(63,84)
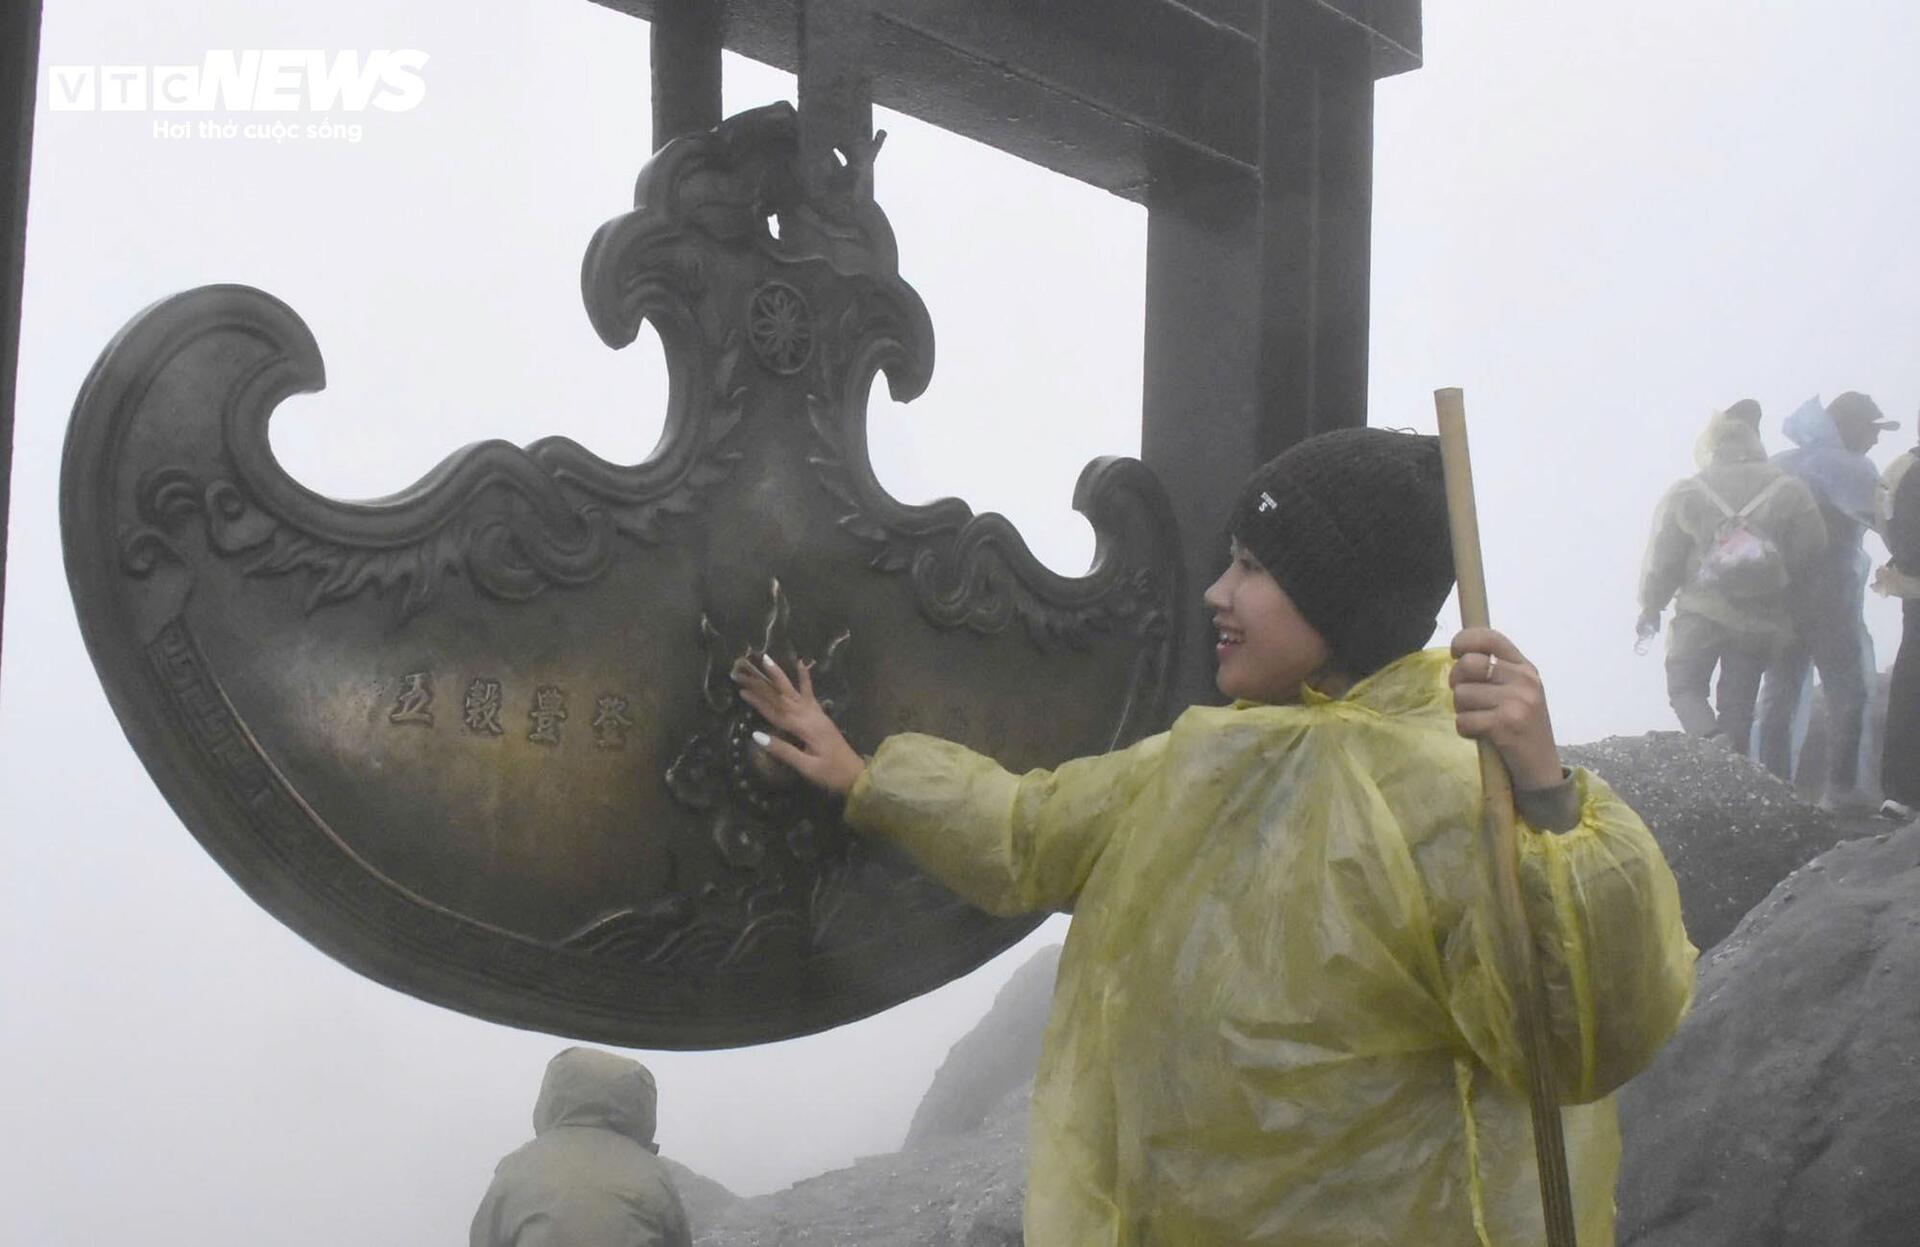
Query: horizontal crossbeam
(1103,92)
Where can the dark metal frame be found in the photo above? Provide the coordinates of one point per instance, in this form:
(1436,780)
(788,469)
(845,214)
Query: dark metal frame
(19,67)
(1244,126)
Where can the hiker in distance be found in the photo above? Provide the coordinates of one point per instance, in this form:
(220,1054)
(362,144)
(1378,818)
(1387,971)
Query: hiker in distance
(1279,1017)
(592,1175)
(1830,454)
(1729,546)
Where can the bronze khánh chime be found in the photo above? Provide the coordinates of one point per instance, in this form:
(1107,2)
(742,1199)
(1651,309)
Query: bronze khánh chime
(477,740)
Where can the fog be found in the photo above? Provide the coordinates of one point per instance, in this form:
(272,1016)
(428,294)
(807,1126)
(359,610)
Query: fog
(1602,223)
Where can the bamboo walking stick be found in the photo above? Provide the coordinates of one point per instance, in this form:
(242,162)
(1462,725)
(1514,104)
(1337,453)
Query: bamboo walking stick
(1500,844)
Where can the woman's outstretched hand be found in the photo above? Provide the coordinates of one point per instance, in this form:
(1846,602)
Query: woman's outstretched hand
(1498,697)
(822,757)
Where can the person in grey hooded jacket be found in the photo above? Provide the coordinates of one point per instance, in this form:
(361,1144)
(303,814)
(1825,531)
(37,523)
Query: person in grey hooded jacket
(591,1177)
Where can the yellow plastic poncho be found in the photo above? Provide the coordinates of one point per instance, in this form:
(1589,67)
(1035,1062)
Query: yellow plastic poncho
(1278,1019)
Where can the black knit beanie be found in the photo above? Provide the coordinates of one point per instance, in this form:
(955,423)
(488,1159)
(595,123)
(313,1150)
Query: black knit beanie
(1353,524)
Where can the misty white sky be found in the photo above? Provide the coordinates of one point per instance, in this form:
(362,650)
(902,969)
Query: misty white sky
(1602,223)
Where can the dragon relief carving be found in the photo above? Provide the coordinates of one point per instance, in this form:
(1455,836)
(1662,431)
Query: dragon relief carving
(512,521)
(798,873)
(750,800)
(976,571)
(516,521)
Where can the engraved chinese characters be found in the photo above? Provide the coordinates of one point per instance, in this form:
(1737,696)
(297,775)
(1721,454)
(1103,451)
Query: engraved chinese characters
(481,713)
(477,740)
(547,710)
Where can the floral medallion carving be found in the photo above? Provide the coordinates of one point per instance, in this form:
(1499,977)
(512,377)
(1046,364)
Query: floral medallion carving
(780,326)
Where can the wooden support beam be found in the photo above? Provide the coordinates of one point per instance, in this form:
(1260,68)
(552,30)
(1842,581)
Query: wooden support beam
(19,71)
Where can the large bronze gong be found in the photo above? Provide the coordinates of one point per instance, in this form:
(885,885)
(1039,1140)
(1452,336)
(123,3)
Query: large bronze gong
(477,740)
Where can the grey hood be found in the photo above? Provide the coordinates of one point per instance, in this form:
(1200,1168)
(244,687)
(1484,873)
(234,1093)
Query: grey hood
(586,1087)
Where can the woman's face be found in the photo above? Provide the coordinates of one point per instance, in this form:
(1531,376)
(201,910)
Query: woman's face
(1265,647)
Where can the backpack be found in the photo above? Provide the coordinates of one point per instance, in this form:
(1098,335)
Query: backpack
(1740,562)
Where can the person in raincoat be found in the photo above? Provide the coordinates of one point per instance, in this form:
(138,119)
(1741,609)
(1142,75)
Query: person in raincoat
(592,1176)
(1900,578)
(1830,455)
(1728,542)
(1279,1018)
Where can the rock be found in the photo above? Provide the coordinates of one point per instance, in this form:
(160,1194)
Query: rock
(963,1191)
(706,1201)
(1783,1112)
(992,1218)
(995,1057)
(1729,829)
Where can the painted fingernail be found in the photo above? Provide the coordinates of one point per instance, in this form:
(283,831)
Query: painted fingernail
(762,739)
(767,660)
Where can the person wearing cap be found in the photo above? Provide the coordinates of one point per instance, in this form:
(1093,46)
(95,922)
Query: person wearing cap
(1830,455)
(592,1175)
(1281,1017)
(1727,544)
(1900,578)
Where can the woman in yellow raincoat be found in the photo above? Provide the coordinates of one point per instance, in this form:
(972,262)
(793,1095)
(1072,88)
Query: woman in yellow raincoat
(1279,1018)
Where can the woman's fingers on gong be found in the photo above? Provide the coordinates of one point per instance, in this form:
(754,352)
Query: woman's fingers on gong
(746,672)
(768,705)
(777,674)
(784,751)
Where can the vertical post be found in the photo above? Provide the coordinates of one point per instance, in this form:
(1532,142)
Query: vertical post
(1257,292)
(685,42)
(1316,202)
(19,69)
(1202,427)
(836,83)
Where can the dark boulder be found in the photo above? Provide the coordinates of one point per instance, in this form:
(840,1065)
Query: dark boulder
(1729,829)
(1783,1112)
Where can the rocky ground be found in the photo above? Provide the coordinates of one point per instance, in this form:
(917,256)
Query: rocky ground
(1781,1113)
(960,1191)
